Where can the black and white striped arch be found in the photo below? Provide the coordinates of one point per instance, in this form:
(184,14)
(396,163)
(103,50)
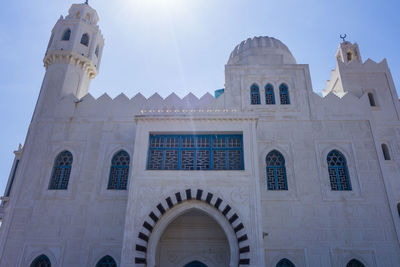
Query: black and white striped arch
(192,195)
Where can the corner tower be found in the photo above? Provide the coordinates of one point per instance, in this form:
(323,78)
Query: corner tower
(72,57)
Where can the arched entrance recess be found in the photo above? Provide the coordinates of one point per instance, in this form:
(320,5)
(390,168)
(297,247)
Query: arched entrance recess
(182,202)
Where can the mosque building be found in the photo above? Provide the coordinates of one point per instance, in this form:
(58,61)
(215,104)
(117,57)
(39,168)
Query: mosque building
(264,173)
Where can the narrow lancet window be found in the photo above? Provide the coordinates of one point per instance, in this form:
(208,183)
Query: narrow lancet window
(61,171)
(269,94)
(385,151)
(85,39)
(119,171)
(67,35)
(255,95)
(97,51)
(276,171)
(338,173)
(284,94)
(371,100)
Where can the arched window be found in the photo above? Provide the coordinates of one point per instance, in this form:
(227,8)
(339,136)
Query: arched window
(106,261)
(66,35)
(371,100)
(276,171)
(355,263)
(285,263)
(41,261)
(284,94)
(78,15)
(385,151)
(338,173)
(87,17)
(85,39)
(349,56)
(195,264)
(119,171)
(269,94)
(61,171)
(254,95)
(96,52)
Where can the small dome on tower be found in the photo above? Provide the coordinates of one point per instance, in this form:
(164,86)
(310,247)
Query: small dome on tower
(262,50)
(83,12)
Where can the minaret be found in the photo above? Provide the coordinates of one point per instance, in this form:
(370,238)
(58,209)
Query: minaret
(348,52)
(72,57)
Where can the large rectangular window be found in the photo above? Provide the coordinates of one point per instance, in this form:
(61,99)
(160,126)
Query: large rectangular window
(196,152)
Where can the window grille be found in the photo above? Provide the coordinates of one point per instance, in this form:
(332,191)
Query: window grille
(285,263)
(355,263)
(255,95)
(284,94)
(276,171)
(106,261)
(338,173)
(85,39)
(66,35)
(61,171)
(195,152)
(269,95)
(41,261)
(119,171)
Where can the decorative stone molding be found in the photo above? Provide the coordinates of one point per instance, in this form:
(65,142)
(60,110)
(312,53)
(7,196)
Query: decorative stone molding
(69,57)
(207,199)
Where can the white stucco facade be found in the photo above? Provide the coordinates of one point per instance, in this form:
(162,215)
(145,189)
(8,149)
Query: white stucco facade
(216,217)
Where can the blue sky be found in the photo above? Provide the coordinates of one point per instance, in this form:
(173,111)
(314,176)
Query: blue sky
(181,46)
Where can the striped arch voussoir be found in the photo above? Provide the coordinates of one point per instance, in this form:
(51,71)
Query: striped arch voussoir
(190,195)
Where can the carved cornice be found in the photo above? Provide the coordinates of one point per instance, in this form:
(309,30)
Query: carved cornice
(69,57)
(189,117)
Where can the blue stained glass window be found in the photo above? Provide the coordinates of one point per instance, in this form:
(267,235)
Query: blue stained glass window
(269,94)
(41,261)
(338,173)
(195,152)
(285,263)
(276,171)
(355,263)
(284,94)
(255,95)
(67,35)
(85,39)
(106,261)
(119,171)
(61,171)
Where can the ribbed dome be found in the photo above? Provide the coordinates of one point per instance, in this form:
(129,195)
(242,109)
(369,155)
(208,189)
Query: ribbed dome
(262,50)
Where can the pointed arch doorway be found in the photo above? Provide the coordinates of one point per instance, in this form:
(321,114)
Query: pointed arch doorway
(193,239)
(195,264)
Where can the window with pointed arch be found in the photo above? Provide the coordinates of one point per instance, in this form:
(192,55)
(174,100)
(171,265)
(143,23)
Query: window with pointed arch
(276,171)
(119,171)
(269,94)
(61,171)
(355,263)
(41,261)
(285,263)
(85,39)
(106,261)
(284,94)
(255,95)
(338,172)
(67,35)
